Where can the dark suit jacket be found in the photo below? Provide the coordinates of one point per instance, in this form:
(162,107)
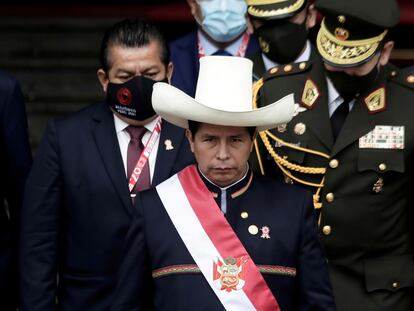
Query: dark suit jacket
(15,162)
(153,243)
(367,208)
(184,56)
(77,210)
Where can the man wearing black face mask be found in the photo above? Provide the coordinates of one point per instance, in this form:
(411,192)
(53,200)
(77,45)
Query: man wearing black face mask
(361,147)
(281,28)
(79,196)
(287,63)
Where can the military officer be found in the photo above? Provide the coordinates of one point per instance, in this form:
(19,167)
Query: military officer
(287,63)
(362,143)
(282,31)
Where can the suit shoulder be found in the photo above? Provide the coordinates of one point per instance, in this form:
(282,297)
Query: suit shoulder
(183,41)
(74,119)
(7,81)
(293,69)
(404,78)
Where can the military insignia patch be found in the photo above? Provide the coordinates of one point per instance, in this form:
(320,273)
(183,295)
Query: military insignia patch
(379,184)
(310,94)
(264,45)
(341,33)
(375,101)
(230,274)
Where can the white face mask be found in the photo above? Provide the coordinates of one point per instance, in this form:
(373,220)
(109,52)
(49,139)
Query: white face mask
(223,20)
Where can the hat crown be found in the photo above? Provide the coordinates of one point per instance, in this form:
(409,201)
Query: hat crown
(225,83)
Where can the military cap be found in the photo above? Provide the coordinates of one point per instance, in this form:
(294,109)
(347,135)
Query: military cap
(274,9)
(352,31)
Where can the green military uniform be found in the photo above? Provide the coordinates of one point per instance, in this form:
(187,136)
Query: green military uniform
(367,216)
(305,79)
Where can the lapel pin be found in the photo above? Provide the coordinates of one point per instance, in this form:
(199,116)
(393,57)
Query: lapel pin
(265,232)
(168,144)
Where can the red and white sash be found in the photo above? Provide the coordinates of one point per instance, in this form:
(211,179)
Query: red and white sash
(217,251)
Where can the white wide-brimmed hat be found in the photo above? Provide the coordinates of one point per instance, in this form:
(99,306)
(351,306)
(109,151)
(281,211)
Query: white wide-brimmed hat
(223,97)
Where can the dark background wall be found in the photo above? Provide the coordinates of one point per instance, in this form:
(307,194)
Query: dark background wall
(53,48)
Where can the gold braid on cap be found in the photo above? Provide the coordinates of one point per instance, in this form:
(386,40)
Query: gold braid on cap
(285,166)
(345,52)
(254,11)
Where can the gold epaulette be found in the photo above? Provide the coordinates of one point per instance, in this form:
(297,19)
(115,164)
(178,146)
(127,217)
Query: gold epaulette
(288,168)
(401,77)
(285,70)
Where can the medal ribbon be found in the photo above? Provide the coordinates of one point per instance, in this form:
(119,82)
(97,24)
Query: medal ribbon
(149,146)
(209,238)
(240,53)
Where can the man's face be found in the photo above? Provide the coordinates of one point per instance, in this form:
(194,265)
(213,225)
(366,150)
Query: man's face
(127,62)
(221,152)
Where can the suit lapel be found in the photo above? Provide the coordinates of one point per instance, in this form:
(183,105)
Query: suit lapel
(318,119)
(108,146)
(359,121)
(166,158)
(258,65)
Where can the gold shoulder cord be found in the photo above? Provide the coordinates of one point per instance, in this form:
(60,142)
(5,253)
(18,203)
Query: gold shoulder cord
(285,166)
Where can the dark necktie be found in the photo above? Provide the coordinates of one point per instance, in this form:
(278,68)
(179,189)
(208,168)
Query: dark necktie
(222,53)
(135,148)
(338,118)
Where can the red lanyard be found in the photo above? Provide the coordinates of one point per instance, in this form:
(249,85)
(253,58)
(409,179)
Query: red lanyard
(149,146)
(240,53)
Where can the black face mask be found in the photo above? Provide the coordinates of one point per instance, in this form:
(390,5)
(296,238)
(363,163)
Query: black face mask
(282,41)
(350,87)
(132,99)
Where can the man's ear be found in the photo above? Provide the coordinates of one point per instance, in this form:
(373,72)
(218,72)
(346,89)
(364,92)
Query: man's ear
(170,70)
(311,17)
(190,139)
(193,6)
(386,53)
(103,79)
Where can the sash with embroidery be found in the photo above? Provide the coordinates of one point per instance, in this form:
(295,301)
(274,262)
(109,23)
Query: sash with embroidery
(216,249)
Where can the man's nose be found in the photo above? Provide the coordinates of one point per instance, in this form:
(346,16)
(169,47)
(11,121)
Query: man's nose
(223,151)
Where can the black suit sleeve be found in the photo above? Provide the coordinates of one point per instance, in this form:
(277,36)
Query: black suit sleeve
(133,292)
(315,288)
(39,227)
(15,162)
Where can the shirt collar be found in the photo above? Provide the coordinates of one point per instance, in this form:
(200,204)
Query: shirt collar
(121,125)
(210,48)
(304,57)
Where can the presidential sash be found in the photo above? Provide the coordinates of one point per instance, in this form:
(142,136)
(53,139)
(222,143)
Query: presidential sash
(216,249)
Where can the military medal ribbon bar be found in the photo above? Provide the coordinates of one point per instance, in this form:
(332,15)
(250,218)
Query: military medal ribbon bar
(216,249)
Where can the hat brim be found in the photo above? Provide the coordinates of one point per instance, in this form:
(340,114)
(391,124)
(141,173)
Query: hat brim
(270,10)
(177,108)
(343,53)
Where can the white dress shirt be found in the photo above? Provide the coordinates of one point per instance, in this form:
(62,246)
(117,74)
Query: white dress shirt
(334,99)
(124,138)
(210,48)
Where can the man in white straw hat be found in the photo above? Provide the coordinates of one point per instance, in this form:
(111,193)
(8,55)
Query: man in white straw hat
(215,236)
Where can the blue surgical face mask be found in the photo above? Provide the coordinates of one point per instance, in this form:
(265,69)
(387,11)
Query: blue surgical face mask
(223,20)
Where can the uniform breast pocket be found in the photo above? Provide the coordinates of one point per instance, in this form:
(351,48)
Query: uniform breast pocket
(381,160)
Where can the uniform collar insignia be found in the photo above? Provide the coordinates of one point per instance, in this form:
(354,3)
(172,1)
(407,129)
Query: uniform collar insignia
(375,101)
(310,94)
